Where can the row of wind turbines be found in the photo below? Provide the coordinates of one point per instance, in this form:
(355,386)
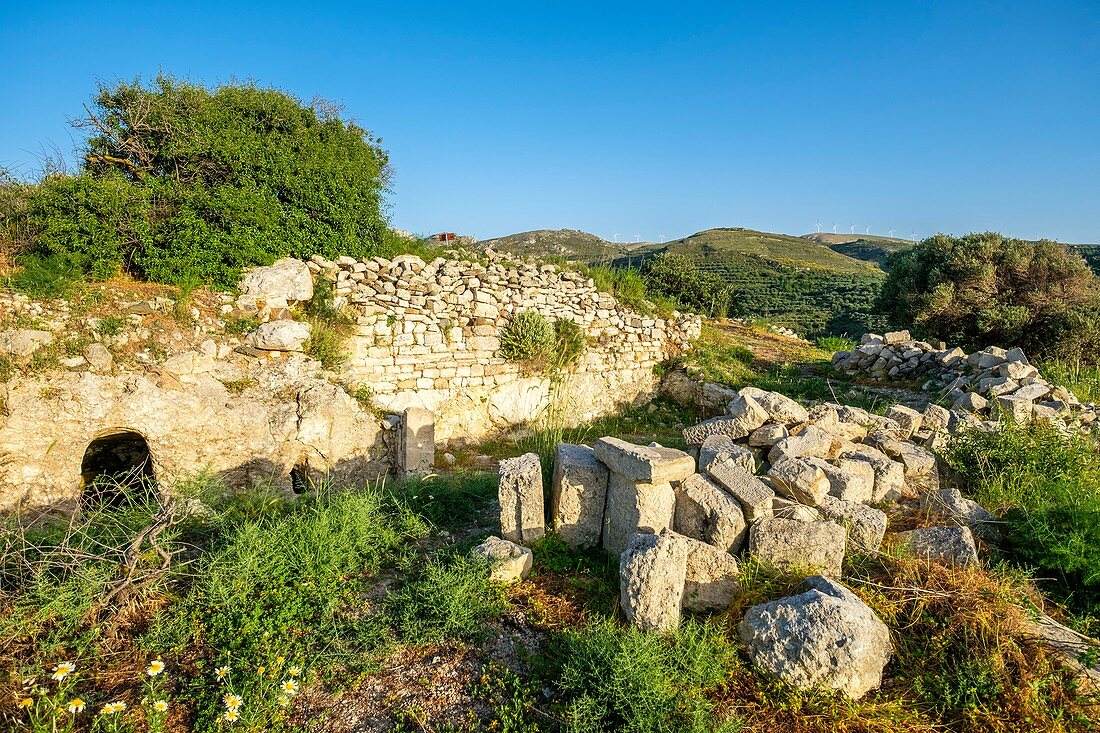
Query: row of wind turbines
(867,230)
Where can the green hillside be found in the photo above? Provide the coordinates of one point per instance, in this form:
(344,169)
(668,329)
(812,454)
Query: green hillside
(568,244)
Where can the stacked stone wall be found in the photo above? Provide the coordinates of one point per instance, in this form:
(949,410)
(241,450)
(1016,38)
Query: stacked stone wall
(428,335)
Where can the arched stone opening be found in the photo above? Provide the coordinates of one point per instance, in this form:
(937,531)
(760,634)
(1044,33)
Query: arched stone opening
(117,467)
(300,480)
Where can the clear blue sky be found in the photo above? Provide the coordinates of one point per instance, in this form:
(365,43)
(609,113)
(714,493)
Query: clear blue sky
(635,118)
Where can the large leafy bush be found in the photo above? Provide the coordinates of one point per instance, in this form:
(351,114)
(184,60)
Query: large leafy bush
(984,289)
(677,277)
(183,184)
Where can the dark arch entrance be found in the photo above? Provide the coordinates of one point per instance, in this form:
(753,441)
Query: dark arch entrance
(117,467)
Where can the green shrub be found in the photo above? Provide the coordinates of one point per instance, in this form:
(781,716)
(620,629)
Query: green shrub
(834,344)
(616,678)
(530,339)
(677,277)
(186,185)
(1046,486)
(446,598)
(46,277)
(984,289)
(527,336)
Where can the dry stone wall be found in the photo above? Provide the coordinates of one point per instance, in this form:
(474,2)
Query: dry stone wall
(427,335)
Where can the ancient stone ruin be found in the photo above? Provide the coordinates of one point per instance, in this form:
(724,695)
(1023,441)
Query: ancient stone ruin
(793,488)
(254,408)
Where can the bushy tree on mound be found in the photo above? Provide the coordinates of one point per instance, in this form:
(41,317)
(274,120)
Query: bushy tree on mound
(675,276)
(183,184)
(984,289)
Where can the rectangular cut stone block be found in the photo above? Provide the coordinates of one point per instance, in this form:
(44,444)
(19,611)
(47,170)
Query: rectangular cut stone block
(579,493)
(632,507)
(705,512)
(716,445)
(750,492)
(652,574)
(649,464)
(790,545)
(417,444)
(711,576)
(522,517)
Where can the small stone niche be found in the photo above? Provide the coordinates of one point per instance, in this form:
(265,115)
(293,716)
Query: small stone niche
(117,467)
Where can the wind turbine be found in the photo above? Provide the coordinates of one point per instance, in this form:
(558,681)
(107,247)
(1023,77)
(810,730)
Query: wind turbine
(853,229)
(616,239)
(892,233)
(913,236)
(637,238)
(834,228)
(867,231)
(819,227)
(661,238)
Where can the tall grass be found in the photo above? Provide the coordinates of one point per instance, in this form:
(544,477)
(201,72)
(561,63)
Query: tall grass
(1047,487)
(1083,379)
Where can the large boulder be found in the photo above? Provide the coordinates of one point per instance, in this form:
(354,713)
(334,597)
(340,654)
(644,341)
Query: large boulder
(522,517)
(578,495)
(824,637)
(707,513)
(849,479)
(286,281)
(790,545)
(889,474)
(652,573)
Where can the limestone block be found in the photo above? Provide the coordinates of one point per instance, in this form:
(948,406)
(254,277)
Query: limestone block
(750,492)
(810,442)
(99,357)
(724,425)
(908,419)
(1018,409)
(652,576)
(971,402)
(521,504)
(897,337)
(889,474)
(711,576)
(952,545)
(849,479)
(951,505)
(510,562)
(866,525)
(635,506)
(579,493)
(768,435)
(648,464)
(799,479)
(748,411)
(824,637)
(780,408)
(280,336)
(796,510)
(707,513)
(286,280)
(789,545)
(716,445)
(416,447)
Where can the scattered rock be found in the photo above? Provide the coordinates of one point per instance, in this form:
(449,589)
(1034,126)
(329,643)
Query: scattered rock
(286,281)
(947,544)
(510,561)
(823,637)
(280,336)
(707,513)
(652,577)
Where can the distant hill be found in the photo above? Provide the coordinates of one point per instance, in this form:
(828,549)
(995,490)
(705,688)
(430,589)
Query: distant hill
(865,247)
(796,281)
(571,245)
